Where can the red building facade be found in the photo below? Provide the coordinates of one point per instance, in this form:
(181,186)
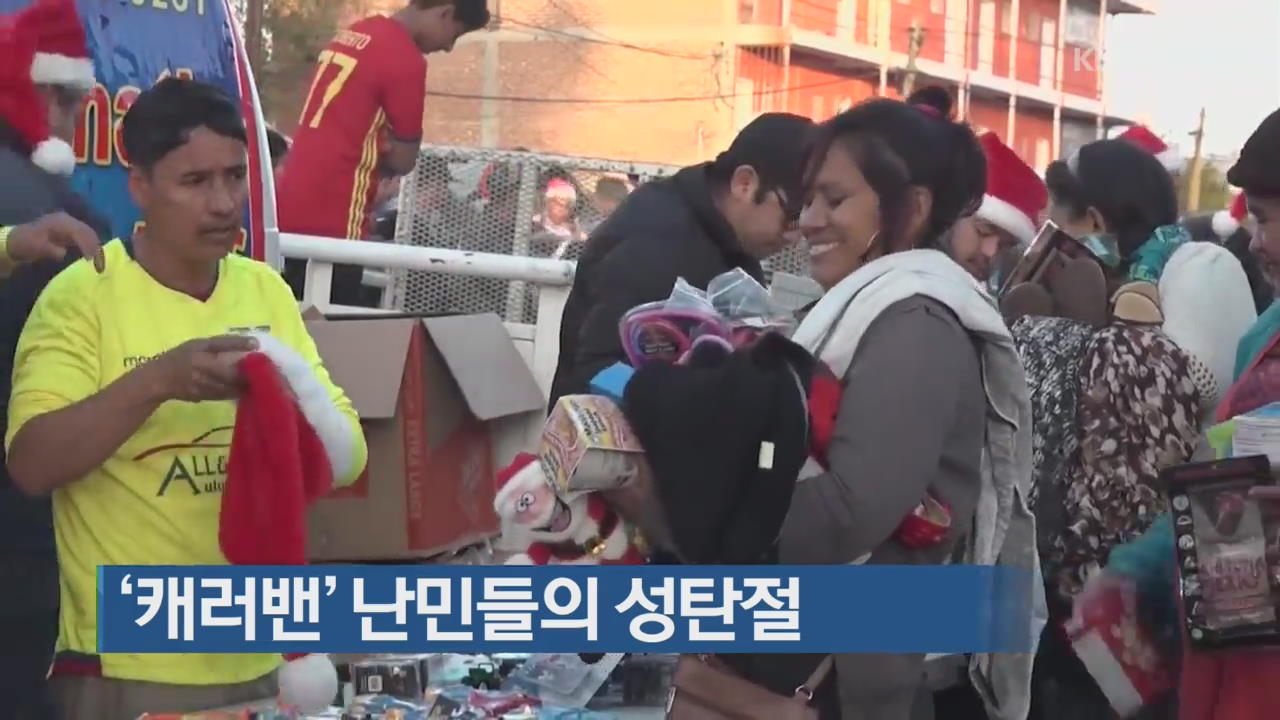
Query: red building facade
(1030,70)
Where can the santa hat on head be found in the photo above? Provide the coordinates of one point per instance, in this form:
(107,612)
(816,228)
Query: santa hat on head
(285,453)
(524,473)
(22,108)
(1227,221)
(1015,193)
(62,49)
(1149,141)
(561,189)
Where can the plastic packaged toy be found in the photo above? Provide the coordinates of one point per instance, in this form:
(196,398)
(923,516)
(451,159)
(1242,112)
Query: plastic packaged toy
(1222,535)
(733,311)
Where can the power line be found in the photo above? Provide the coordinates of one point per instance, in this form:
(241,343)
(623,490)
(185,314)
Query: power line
(635,101)
(604,40)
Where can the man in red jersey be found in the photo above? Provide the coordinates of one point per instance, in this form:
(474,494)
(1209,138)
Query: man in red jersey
(362,121)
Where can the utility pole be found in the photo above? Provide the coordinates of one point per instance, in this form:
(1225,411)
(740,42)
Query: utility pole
(913,51)
(253,34)
(1196,169)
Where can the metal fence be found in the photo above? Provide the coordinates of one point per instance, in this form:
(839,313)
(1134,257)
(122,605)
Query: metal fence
(511,203)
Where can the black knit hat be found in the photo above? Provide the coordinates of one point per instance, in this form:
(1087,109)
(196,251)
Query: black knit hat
(774,145)
(1258,169)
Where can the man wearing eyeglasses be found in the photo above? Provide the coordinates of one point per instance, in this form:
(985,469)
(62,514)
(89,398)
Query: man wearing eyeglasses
(705,220)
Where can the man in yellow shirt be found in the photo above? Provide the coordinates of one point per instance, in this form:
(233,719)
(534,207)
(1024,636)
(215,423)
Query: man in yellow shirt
(122,390)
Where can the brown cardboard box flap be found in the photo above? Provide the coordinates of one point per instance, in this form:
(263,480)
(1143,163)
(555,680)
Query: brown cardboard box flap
(366,359)
(493,377)
(310,313)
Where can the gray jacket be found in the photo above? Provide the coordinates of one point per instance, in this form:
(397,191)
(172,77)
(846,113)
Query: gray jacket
(912,411)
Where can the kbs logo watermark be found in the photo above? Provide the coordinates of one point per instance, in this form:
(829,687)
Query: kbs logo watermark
(1084,59)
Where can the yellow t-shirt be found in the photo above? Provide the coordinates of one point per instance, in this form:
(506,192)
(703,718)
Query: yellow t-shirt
(156,500)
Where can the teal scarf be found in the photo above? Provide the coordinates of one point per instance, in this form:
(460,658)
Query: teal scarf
(1151,257)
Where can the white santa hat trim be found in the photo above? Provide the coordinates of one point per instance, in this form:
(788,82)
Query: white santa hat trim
(49,69)
(1171,159)
(1224,224)
(309,683)
(1007,217)
(330,424)
(1207,306)
(55,156)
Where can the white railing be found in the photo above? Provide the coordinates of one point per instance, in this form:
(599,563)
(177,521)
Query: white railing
(539,342)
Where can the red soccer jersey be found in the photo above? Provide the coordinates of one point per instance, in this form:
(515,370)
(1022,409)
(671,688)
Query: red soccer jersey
(370,78)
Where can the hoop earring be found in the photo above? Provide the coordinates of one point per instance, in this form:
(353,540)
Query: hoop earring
(870,244)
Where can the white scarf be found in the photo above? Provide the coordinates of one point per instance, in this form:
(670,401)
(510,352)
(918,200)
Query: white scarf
(1003,527)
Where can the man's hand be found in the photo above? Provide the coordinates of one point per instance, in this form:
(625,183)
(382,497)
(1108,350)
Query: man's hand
(203,369)
(51,236)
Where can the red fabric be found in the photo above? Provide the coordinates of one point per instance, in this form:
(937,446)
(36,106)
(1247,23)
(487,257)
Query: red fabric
(1145,139)
(56,26)
(1239,207)
(521,461)
(1258,385)
(20,105)
(1239,685)
(539,553)
(824,403)
(67,664)
(276,468)
(1012,180)
(333,162)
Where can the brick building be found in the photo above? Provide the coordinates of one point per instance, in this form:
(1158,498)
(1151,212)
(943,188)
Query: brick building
(673,80)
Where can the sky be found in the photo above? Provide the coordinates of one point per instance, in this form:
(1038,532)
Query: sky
(1223,55)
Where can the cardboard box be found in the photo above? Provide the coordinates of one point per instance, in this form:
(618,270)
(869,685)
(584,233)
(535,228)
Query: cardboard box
(427,390)
(588,445)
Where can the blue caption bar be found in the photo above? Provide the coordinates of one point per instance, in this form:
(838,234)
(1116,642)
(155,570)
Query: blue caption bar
(655,609)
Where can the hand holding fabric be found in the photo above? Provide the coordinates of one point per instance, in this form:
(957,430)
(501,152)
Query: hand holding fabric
(202,369)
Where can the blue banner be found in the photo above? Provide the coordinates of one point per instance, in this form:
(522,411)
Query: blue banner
(134,44)
(653,609)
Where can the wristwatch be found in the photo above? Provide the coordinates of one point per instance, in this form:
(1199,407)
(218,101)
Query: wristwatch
(6,262)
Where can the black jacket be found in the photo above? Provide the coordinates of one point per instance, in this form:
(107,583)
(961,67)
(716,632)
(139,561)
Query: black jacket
(665,230)
(26,524)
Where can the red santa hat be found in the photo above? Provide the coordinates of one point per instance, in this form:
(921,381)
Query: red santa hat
(1015,193)
(44,45)
(286,448)
(62,49)
(23,109)
(1227,221)
(524,473)
(561,189)
(1143,137)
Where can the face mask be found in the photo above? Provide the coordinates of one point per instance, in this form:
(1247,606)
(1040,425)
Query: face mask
(1103,247)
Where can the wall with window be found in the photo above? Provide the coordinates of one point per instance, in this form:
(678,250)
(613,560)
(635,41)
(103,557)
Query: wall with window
(991,28)
(1082,61)
(1033,137)
(816,15)
(1032,129)
(1038,42)
(821,91)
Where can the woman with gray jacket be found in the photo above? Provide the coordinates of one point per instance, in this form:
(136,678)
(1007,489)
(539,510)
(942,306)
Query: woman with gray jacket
(935,406)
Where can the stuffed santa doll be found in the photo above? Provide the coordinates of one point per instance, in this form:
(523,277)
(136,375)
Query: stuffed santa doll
(288,444)
(580,531)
